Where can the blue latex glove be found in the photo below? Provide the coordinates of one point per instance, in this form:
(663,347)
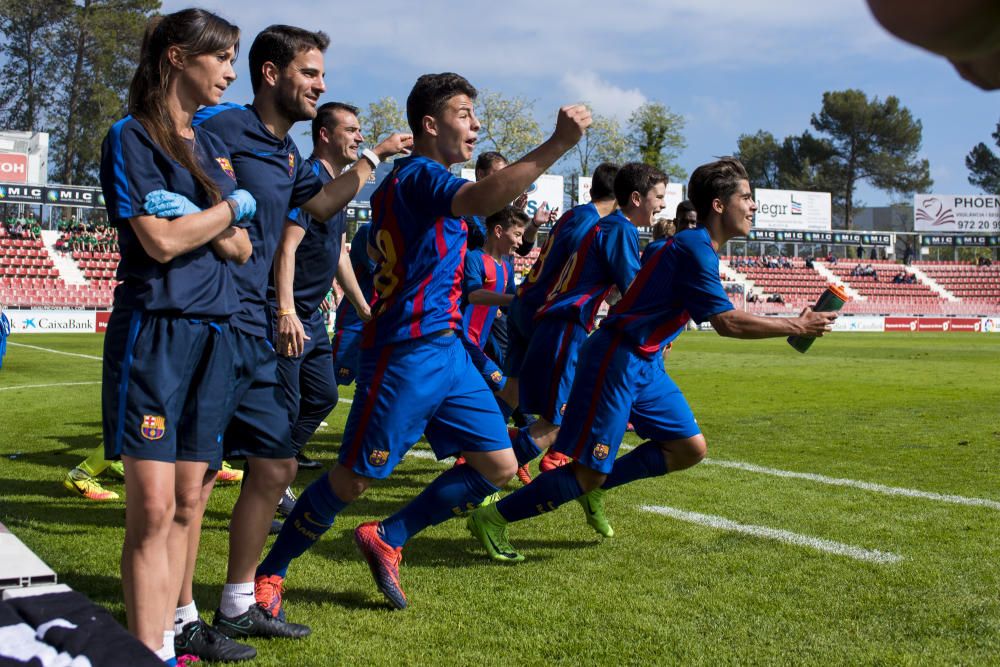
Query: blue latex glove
(165,204)
(246,205)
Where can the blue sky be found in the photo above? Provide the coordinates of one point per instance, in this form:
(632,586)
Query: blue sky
(728,68)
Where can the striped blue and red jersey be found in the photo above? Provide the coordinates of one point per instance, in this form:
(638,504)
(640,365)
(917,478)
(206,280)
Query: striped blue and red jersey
(564,240)
(421,247)
(482,271)
(347,317)
(607,256)
(678,282)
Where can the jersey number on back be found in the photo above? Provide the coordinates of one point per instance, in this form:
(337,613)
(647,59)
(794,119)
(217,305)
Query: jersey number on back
(564,277)
(385,280)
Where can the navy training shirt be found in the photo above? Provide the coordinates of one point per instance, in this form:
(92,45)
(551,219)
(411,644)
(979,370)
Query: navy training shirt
(316,257)
(271,170)
(196,284)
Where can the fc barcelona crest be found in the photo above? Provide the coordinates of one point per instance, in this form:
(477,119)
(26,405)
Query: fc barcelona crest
(227,167)
(153,427)
(496,376)
(378,457)
(601,451)
(291,163)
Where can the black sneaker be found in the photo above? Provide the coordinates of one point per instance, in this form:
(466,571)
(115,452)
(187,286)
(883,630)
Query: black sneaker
(306,463)
(256,622)
(201,639)
(287,502)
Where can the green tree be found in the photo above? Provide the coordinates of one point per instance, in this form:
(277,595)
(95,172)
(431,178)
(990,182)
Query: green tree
(508,124)
(760,153)
(27,28)
(656,134)
(871,140)
(984,165)
(382,118)
(99,41)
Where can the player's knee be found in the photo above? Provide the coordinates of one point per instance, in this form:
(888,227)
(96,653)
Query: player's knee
(157,513)
(273,473)
(683,454)
(187,506)
(346,484)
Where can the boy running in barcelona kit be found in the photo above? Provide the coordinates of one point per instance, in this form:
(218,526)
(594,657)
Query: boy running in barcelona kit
(416,376)
(620,376)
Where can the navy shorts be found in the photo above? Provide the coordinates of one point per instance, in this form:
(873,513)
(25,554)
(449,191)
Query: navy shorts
(310,389)
(259,425)
(615,385)
(426,386)
(346,355)
(549,365)
(166,384)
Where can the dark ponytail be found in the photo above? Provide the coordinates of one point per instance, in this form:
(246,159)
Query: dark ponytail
(196,32)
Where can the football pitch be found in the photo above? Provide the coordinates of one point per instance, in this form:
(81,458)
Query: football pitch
(848,513)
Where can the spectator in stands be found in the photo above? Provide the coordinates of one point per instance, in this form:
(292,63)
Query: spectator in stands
(752,297)
(685,217)
(775,298)
(983,260)
(873,255)
(809,261)
(784,263)
(907,253)
(899,278)
(831,258)
(860,251)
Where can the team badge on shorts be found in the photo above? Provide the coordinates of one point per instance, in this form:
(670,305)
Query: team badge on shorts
(227,167)
(378,457)
(601,451)
(562,410)
(153,427)
(291,163)
(344,371)
(496,376)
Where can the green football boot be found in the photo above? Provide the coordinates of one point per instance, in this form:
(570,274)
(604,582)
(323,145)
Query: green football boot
(487,526)
(593,507)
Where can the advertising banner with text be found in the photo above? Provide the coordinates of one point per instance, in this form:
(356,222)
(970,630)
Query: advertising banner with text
(975,214)
(52,321)
(793,209)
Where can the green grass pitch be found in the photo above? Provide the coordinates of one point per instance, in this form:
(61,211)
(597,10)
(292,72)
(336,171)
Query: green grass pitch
(900,432)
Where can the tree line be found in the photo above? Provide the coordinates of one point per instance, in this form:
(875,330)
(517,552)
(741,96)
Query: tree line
(67,65)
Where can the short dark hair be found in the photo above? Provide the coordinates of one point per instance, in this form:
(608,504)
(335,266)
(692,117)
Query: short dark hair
(507,217)
(326,117)
(684,207)
(636,177)
(715,180)
(279,44)
(487,160)
(429,95)
(602,183)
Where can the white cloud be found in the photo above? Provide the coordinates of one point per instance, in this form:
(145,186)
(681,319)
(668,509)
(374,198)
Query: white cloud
(604,98)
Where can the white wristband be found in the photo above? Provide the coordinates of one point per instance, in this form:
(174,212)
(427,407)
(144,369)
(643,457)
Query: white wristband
(369,155)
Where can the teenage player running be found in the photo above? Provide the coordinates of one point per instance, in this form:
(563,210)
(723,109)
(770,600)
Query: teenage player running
(416,376)
(596,255)
(286,74)
(171,192)
(617,379)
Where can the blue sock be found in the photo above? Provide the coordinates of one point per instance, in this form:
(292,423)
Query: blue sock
(644,461)
(524,446)
(505,409)
(545,493)
(299,533)
(455,490)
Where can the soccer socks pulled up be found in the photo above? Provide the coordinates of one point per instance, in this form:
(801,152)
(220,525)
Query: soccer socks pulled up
(95,463)
(456,489)
(313,515)
(545,493)
(524,446)
(646,460)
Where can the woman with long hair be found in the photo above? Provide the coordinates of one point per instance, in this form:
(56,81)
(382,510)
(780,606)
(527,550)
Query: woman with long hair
(171,193)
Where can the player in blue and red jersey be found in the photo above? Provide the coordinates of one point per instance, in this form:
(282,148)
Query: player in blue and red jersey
(416,377)
(599,256)
(172,194)
(286,74)
(488,282)
(347,334)
(618,381)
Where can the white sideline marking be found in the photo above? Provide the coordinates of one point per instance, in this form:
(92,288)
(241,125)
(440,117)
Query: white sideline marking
(837,548)
(46,349)
(345,400)
(36,386)
(853,483)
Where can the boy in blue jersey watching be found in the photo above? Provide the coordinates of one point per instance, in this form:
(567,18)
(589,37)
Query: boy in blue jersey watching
(415,376)
(596,256)
(617,379)
(286,74)
(309,257)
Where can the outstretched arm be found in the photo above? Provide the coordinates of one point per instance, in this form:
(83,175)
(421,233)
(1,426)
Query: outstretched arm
(740,324)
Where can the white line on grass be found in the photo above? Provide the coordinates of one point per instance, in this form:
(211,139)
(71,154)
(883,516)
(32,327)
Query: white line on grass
(37,386)
(46,349)
(857,553)
(865,486)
